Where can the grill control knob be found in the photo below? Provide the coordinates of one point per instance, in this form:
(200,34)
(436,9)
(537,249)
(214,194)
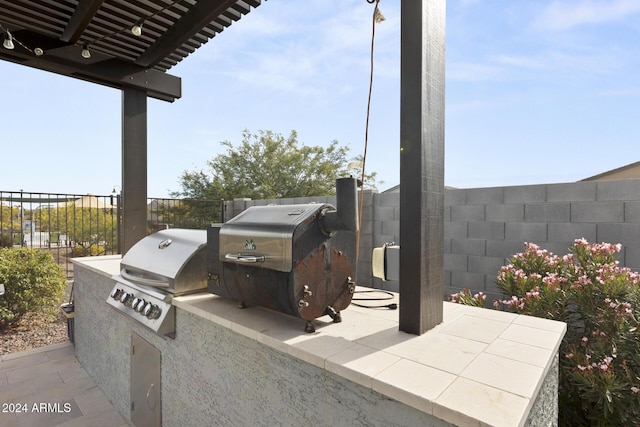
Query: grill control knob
(152,311)
(115,293)
(137,304)
(125,298)
(146,309)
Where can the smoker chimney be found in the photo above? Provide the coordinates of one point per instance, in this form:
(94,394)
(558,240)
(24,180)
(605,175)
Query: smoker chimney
(345,217)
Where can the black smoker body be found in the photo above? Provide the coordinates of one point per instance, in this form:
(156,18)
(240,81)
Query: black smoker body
(296,259)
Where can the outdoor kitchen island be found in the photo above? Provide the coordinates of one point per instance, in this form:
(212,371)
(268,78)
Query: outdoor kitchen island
(229,366)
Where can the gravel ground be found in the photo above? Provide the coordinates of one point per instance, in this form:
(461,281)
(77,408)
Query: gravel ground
(35,330)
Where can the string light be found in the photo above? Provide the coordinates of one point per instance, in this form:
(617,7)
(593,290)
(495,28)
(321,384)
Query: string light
(8,41)
(86,53)
(136,30)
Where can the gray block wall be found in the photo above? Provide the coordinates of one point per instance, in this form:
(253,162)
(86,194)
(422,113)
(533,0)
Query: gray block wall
(488,225)
(485,226)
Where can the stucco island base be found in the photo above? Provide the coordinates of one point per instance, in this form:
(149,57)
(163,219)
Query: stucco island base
(253,366)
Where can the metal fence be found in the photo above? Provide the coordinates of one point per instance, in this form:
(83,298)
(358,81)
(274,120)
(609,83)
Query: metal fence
(74,225)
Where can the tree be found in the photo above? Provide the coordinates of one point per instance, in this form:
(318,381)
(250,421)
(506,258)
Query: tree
(10,224)
(91,228)
(268,166)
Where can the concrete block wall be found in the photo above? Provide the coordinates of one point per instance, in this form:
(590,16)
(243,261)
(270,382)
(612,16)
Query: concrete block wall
(485,226)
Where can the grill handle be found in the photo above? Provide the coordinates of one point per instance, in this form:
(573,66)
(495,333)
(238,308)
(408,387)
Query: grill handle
(144,281)
(240,257)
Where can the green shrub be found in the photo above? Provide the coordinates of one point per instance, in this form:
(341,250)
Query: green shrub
(33,283)
(93,249)
(600,303)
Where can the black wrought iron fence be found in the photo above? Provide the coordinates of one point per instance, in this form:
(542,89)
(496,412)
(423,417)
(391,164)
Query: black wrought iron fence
(74,225)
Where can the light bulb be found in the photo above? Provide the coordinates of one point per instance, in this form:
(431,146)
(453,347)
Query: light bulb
(8,41)
(136,30)
(86,53)
(378,16)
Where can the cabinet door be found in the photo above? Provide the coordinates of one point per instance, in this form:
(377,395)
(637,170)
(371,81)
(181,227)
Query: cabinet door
(146,408)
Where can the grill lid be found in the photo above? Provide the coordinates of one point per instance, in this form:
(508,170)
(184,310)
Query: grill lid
(263,235)
(162,258)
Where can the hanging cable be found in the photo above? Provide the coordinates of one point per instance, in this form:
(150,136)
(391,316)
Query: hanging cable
(377,18)
(388,296)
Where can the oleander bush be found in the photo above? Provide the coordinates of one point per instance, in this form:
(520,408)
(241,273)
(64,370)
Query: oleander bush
(600,303)
(465,297)
(33,283)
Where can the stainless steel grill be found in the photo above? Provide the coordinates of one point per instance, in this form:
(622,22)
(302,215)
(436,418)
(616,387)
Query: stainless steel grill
(297,259)
(157,268)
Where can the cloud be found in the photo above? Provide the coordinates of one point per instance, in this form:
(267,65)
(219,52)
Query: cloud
(629,91)
(474,72)
(555,60)
(304,50)
(455,108)
(563,15)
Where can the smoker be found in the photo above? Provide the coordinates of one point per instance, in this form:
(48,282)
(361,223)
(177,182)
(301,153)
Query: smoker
(295,259)
(162,265)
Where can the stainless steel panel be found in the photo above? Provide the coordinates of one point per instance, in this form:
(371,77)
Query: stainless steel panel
(174,259)
(146,398)
(262,236)
(159,315)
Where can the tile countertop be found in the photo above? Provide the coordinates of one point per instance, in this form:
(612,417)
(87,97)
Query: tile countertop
(479,367)
(105,265)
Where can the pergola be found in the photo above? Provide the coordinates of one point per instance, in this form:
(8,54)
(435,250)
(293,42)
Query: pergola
(130,45)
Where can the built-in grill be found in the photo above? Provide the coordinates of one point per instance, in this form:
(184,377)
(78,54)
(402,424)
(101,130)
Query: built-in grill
(160,266)
(296,259)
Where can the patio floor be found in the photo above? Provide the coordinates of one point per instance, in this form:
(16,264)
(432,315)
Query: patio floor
(48,387)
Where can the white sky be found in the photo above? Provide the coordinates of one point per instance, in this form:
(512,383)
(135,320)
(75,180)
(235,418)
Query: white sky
(537,91)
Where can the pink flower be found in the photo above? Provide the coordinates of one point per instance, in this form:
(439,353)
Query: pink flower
(585,339)
(635,389)
(480,295)
(569,356)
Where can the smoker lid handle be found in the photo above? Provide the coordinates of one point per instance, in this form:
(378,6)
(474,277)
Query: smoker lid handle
(240,257)
(144,280)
